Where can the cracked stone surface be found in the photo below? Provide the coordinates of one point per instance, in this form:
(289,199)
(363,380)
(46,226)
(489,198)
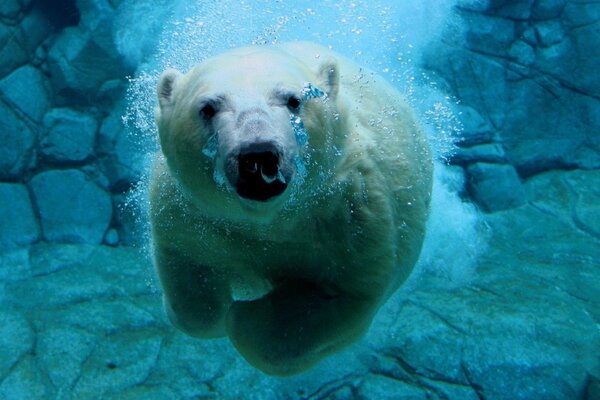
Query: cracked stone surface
(528,69)
(85,322)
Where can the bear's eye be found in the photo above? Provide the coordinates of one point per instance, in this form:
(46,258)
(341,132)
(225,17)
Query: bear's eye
(208,111)
(293,103)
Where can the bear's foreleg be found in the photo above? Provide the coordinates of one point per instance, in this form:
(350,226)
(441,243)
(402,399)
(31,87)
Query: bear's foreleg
(296,325)
(196,298)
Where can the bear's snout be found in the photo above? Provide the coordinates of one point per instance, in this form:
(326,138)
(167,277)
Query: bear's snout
(259,174)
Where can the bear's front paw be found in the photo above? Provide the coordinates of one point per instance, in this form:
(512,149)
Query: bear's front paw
(198,319)
(294,327)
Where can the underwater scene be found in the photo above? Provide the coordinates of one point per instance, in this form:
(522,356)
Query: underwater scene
(252,199)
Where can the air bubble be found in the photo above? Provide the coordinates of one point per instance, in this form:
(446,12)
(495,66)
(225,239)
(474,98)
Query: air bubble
(300,168)
(299,131)
(218,178)
(312,92)
(211,147)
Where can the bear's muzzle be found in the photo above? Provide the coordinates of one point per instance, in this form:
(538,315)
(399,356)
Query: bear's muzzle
(259,176)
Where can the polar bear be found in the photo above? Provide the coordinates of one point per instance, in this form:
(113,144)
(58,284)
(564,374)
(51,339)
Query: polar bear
(289,201)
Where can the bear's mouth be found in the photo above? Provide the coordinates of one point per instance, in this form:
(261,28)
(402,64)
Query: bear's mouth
(259,175)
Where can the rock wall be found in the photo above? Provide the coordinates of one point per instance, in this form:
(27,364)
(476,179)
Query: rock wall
(66,162)
(526,75)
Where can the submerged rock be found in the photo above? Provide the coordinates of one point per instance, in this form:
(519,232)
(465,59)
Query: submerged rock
(69,137)
(26,89)
(72,208)
(12,53)
(17,144)
(80,65)
(19,225)
(489,153)
(548,9)
(10,10)
(475,129)
(530,69)
(21,32)
(495,186)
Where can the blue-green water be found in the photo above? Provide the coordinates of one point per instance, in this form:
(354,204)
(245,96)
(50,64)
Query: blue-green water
(504,301)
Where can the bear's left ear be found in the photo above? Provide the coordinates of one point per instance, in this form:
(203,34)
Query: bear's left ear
(329,77)
(166,83)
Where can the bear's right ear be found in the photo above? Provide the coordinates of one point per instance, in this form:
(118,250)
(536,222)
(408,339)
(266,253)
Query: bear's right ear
(166,83)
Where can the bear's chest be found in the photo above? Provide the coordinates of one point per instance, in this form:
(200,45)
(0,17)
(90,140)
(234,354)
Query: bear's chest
(309,248)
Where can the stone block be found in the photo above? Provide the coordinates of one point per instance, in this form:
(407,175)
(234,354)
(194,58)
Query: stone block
(12,52)
(528,36)
(510,9)
(26,89)
(581,74)
(549,127)
(35,28)
(547,9)
(522,52)
(490,35)
(495,187)
(490,153)
(11,11)
(74,64)
(112,237)
(581,13)
(95,13)
(69,136)
(476,130)
(19,225)
(549,33)
(17,144)
(72,208)
(480,81)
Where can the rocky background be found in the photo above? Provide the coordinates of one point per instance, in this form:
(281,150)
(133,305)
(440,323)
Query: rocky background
(66,161)
(81,316)
(527,77)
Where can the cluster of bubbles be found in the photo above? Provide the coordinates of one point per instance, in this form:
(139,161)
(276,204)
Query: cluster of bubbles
(386,36)
(308,92)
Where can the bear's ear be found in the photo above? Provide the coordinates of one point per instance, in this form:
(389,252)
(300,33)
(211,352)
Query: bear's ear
(329,77)
(166,83)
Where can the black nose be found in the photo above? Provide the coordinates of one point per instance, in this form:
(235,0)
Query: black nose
(259,175)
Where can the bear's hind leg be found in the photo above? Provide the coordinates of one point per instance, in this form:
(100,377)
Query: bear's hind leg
(296,325)
(196,298)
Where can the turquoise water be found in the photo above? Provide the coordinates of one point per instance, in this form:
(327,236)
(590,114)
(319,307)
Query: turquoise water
(504,301)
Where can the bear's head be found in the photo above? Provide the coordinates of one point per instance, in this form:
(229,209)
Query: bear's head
(241,129)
